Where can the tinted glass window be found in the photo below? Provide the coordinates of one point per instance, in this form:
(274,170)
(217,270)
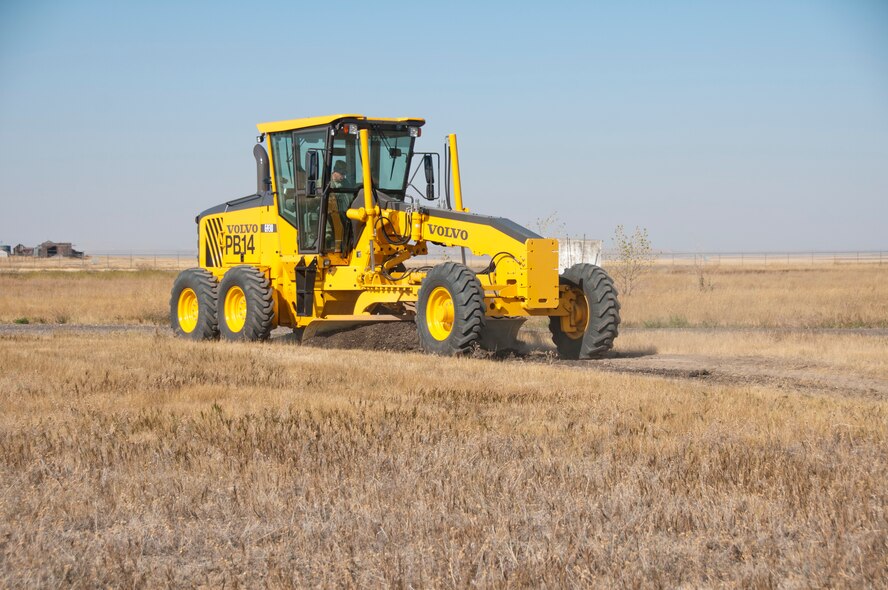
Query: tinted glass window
(389,155)
(284,174)
(308,208)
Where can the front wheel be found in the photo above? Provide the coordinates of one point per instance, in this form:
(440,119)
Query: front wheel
(592,325)
(246,305)
(449,310)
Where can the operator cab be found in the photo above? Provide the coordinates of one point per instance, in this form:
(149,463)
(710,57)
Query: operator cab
(318,173)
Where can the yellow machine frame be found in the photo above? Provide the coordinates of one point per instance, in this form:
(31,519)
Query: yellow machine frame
(368,282)
(349,287)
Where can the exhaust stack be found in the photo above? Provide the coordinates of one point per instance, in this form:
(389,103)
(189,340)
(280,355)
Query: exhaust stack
(263,176)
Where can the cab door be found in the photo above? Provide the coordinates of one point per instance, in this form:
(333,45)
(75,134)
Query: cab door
(309,213)
(290,153)
(301,216)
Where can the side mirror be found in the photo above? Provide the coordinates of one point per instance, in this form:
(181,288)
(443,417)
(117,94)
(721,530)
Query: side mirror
(429,176)
(311,174)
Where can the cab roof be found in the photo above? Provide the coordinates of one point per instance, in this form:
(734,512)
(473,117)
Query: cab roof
(328,119)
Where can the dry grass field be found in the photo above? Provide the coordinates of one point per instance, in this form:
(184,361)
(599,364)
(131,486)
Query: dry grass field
(832,296)
(100,262)
(62,297)
(829,296)
(134,459)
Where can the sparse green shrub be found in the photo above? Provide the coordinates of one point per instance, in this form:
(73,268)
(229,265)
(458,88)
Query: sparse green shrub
(673,321)
(704,281)
(634,257)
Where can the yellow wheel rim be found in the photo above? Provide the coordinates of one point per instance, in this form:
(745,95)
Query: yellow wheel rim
(235,309)
(439,313)
(574,324)
(188,310)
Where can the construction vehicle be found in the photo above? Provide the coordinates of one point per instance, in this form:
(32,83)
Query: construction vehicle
(322,246)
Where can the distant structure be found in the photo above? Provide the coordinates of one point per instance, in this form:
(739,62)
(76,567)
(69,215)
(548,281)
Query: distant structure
(48,250)
(574,251)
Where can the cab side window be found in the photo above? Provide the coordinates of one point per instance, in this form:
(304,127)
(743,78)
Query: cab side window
(284,174)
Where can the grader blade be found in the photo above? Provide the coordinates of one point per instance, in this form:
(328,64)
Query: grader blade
(346,323)
(501,334)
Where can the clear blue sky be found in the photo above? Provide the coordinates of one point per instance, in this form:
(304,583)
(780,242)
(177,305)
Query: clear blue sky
(717,125)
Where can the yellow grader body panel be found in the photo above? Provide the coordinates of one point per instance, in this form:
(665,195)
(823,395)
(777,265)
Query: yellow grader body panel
(524,282)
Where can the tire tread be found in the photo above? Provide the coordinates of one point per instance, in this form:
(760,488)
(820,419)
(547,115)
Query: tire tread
(604,314)
(260,303)
(468,303)
(205,287)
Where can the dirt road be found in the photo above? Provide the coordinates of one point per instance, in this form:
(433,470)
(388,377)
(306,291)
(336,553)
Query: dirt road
(809,375)
(789,374)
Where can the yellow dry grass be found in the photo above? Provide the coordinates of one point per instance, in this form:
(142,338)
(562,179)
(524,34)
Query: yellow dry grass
(139,460)
(826,296)
(112,297)
(98,263)
(131,459)
(848,296)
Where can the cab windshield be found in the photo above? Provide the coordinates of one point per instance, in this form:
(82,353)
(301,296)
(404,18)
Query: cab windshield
(390,149)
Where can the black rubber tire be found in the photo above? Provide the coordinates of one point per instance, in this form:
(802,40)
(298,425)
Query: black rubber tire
(204,285)
(604,314)
(468,309)
(260,303)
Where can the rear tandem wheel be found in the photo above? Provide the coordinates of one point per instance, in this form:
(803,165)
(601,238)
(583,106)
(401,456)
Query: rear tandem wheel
(246,305)
(193,305)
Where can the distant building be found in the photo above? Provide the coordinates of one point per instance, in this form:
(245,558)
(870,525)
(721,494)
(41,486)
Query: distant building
(48,250)
(573,251)
(6,249)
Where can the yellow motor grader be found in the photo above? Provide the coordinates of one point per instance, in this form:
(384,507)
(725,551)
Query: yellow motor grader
(322,245)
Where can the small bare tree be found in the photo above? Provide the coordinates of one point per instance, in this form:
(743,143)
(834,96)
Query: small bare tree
(634,257)
(551,224)
(704,281)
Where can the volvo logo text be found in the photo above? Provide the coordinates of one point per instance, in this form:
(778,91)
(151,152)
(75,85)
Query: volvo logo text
(448,232)
(243,228)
